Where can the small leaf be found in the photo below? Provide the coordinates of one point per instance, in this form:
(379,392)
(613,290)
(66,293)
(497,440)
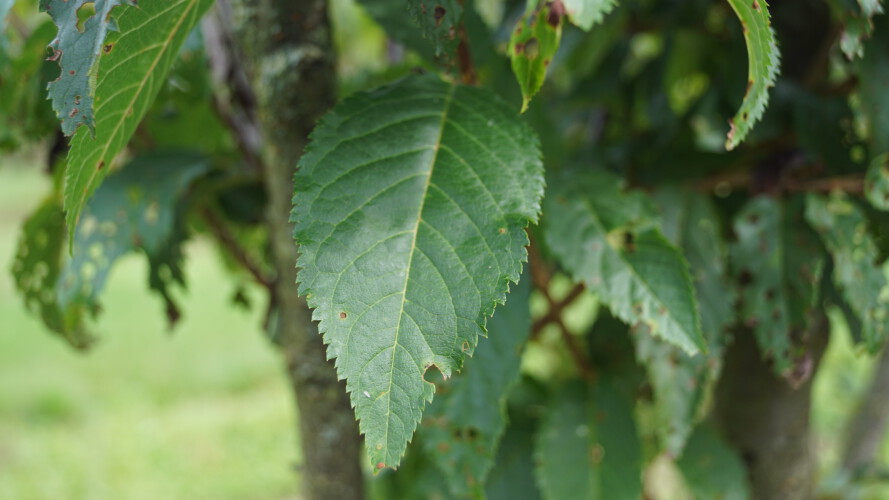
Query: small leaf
(712,469)
(463,426)
(763,66)
(586,13)
(857,271)
(588,447)
(609,240)
(533,45)
(132,71)
(777,261)
(78,52)
(439,21)
(411,204)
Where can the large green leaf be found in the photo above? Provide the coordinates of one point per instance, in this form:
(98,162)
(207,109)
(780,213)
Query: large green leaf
(763,66)
(609,239)
(588,447)
(857,271)
(680,381)
(462,427)
(411,203)
(777,261)
(131,73)
(533,45)
(586,13)
(78,52)
(712,469)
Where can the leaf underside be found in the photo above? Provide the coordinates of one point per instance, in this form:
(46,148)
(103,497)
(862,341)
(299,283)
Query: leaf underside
(78,52)
(608,239)
(586,13)
(777,262)
(131,72)
(410,208)
(763,67)
(857,270)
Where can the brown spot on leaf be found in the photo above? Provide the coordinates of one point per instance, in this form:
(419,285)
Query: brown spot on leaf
(101,165)
(556,12)
(107,48)
(755,5)
(439,14)
(342,315)
(73,112)
(745,277)
(381,465)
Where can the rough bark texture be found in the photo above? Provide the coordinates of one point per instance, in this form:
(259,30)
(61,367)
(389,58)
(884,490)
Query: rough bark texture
(867,429)
(289,58)
(767,419)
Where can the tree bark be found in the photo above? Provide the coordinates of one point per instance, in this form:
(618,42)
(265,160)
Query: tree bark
(867,428)
(766,417)
(289,59)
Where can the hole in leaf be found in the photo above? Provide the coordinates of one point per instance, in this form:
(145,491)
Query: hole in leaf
(85,12)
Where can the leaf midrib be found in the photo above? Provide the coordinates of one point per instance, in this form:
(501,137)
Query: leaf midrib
(413,249)
(136,94)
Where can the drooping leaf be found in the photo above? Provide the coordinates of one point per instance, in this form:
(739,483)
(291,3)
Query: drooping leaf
(763,66)
(410,204)
(777,262)
(873,73)
(463,426)
(439,21)
(679,380)
(133,68)
(712,469)
(78,52)
(857,271)
(587,447)
(586,13)
(36,270)
(609,239)
(136,209)
(533,45)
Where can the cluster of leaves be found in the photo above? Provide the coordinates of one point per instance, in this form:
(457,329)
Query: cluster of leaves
(413,204)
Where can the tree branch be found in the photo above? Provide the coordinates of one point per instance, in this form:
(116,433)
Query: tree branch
(229,242)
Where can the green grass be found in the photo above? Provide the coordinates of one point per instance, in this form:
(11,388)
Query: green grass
(200,413)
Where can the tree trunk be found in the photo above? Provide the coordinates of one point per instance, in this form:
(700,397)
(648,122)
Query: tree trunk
(289,59)
(867,428)
(767,418)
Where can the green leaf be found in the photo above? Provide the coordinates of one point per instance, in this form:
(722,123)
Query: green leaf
(5,6)
(78,51)
(763,66)
(876,182)
(439,21)
(463,426)
(513,474)
(777,261)
(712,469)
(857,271)
(36,269)
(609,239)
(411,204)
(390,15)
(588,448)
(680,381)
(533,45)
(132,71)
(586,13)
(135,209)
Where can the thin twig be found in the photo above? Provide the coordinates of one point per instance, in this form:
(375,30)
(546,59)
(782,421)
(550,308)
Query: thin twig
(228,241)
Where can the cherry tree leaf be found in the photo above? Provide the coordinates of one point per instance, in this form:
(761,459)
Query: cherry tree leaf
(410,208)
(586,13)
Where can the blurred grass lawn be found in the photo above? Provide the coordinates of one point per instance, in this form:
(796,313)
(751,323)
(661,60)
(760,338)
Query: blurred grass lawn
(202,413)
